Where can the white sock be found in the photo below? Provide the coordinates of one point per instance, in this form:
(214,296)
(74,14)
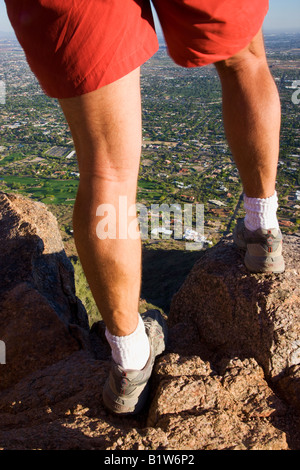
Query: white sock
(131,351)
(261,213)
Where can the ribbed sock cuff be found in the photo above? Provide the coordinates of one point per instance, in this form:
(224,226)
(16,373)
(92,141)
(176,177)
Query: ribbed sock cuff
(261,213)
(131,351)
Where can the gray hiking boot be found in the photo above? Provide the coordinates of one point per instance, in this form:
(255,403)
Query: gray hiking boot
(263,248)
(126,391)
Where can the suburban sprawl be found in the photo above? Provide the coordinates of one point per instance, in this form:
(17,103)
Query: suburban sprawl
(185,157)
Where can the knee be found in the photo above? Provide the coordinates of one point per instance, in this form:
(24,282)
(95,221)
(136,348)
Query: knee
(105,182)
(107,161)
(250,58)
(107,175)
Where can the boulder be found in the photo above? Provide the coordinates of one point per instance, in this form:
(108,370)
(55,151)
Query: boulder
(38,306)
(237,313)
(200,409)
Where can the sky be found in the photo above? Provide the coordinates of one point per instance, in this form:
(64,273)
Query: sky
(282,15)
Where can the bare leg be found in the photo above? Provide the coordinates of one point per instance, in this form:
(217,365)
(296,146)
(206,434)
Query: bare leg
(251,111)
(106,128)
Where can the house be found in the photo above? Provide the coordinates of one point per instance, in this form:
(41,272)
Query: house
(185,197)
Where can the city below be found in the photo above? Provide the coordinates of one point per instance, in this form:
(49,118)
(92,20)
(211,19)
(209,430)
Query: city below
(185,156)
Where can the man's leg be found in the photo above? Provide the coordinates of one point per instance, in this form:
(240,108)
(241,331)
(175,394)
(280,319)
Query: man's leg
(106,128)
(251,111)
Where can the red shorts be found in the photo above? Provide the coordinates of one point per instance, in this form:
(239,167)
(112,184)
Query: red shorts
(77,46)
(201,32)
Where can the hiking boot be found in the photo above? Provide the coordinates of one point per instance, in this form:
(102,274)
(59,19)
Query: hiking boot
(263,248)
(126,391)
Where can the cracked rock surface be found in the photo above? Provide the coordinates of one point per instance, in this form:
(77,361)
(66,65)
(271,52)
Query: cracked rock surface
(229,379)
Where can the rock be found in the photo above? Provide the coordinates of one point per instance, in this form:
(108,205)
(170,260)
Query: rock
(38,306)
(233,409)
(241,314)
(207,392)
(289,386)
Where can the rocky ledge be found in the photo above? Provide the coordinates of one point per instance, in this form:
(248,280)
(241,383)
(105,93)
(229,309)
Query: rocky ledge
(230,378)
